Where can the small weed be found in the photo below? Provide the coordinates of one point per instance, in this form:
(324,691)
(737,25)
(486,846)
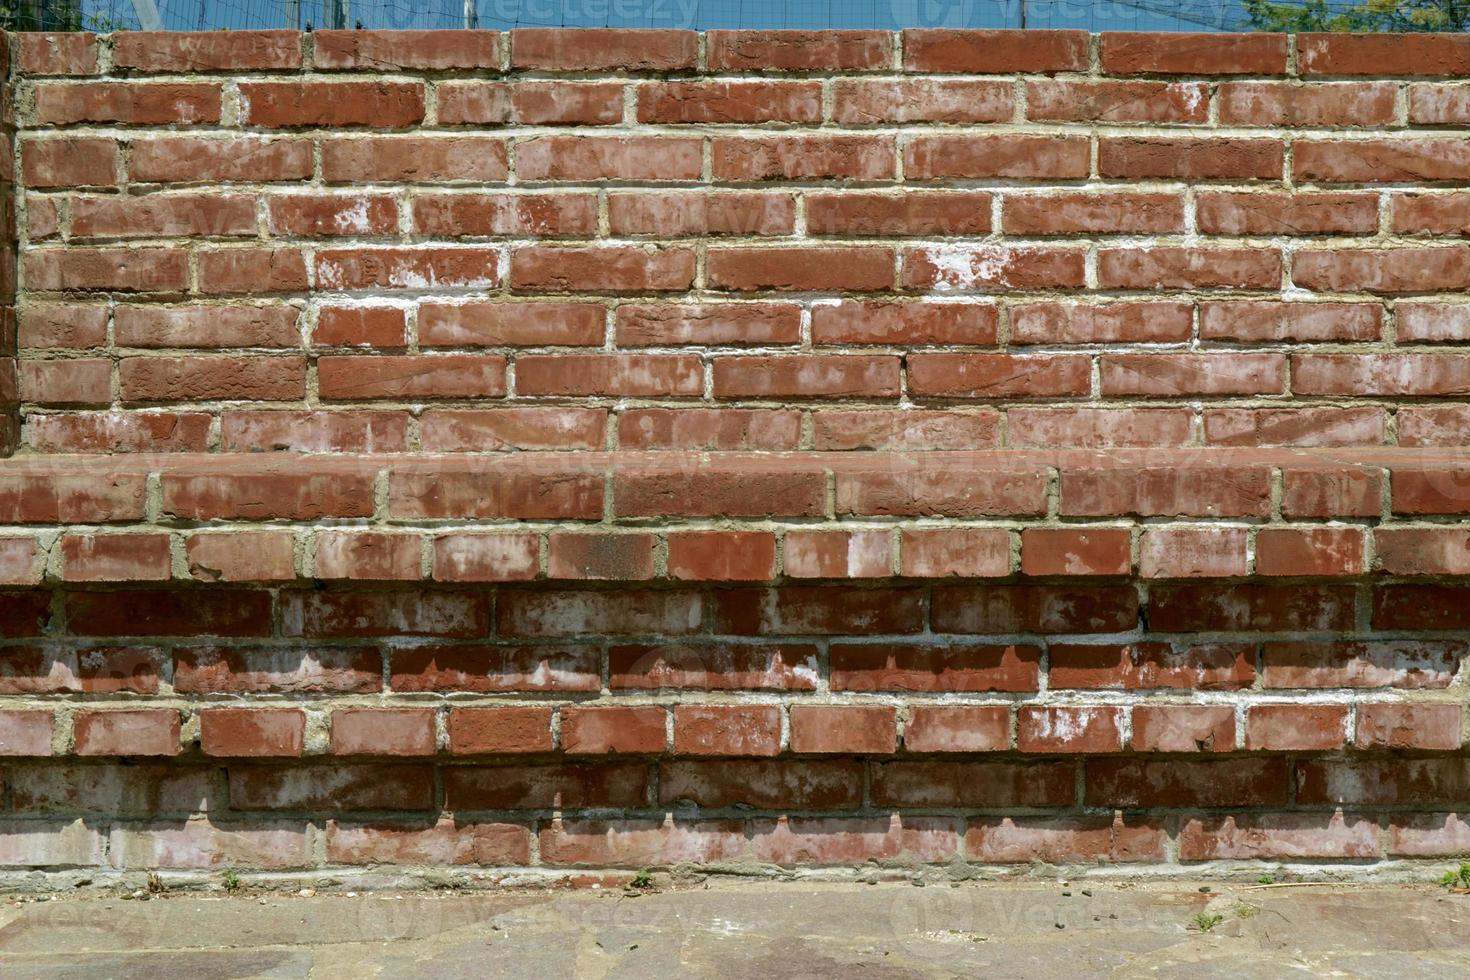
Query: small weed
(1244,911)
(643,879)
(1459,878)
(1266,880)
(230,879)
(1204,921)
(155,883)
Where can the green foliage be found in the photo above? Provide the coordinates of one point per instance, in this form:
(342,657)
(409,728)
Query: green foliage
(1204,921)
(643,879)
(1397,16)
(230,879)
(1459,878)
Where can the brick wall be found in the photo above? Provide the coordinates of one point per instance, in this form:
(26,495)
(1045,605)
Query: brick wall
(607,449)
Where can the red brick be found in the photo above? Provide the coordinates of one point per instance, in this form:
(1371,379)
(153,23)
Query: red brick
(137,732)
(1116,101)
(650,325)
(1241,490)
(859,101)
(712,428)
(126,103)
(994,52)
(704,101)
(1208,607)
(727,730)
(1127,53)
(1076,551)
(1183,728)
(1444,425)
(954,552)
(84,381)
(411,376)
(958,728)
(1276,836)
(601,784)
(461,615)
(510,325)
(1308,106)
(972,784)
(596,730)
(87,557)
(383,731)
(331,787)
(481,668)
(1231,213)
(1381,160)
(585,158)
(617,556)
(807,376)
(825,50)
(21,561)
(817,609)
(1383,54)
(542,215)
(805,841)
(366,555)
(1422,550)
(57,53)
(1412,664)
(963,375)
(161,612)
(801,269)
(937,489)
(1189,158)
(640,843)
(532,103)
(883,214)
(272,325)
(1427,835)
(550,49)
(263,495)
(201,159)
(1068,728)
(252,732)
(756,489)
(70,162)
(325,215)
(446,841)
(1066,840)
(803,157)
(1303,427)
(318,432)
(241,556)
(613,269)
(200,51)
(577,613)
(862,729)
(25,733)
(1394,781)
(283,670)
(868,667)
(480,731)
(1189,268)
(1192,552)
(129,270)
(1051,323)
(118,432)
(1208,667)
(253,271)
(1404,270)
(1268,321)
(387,51)
(66,325)
(732,667)
(477,430)
(722,556)
(1408,726)
(503,492)
(1420,607)
(360,326)
(683,213)
(1296,727)
(1332,492)
(1429,323)
(1017,157)
(421,159)
(609,374)
(406,268)
(1165,782)
(1310,551)
(1028,608)
(1098,428)
(379,104)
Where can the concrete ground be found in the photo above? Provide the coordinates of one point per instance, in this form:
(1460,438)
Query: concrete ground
(762,931)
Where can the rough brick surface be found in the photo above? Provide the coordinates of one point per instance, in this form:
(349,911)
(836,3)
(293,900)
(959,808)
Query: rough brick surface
(675,449)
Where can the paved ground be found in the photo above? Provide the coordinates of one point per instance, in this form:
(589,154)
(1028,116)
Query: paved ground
(762,931)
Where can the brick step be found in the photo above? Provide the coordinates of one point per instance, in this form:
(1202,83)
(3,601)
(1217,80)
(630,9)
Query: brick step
(631,516)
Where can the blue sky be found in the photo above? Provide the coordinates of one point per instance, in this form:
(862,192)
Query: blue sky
(1097,15)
